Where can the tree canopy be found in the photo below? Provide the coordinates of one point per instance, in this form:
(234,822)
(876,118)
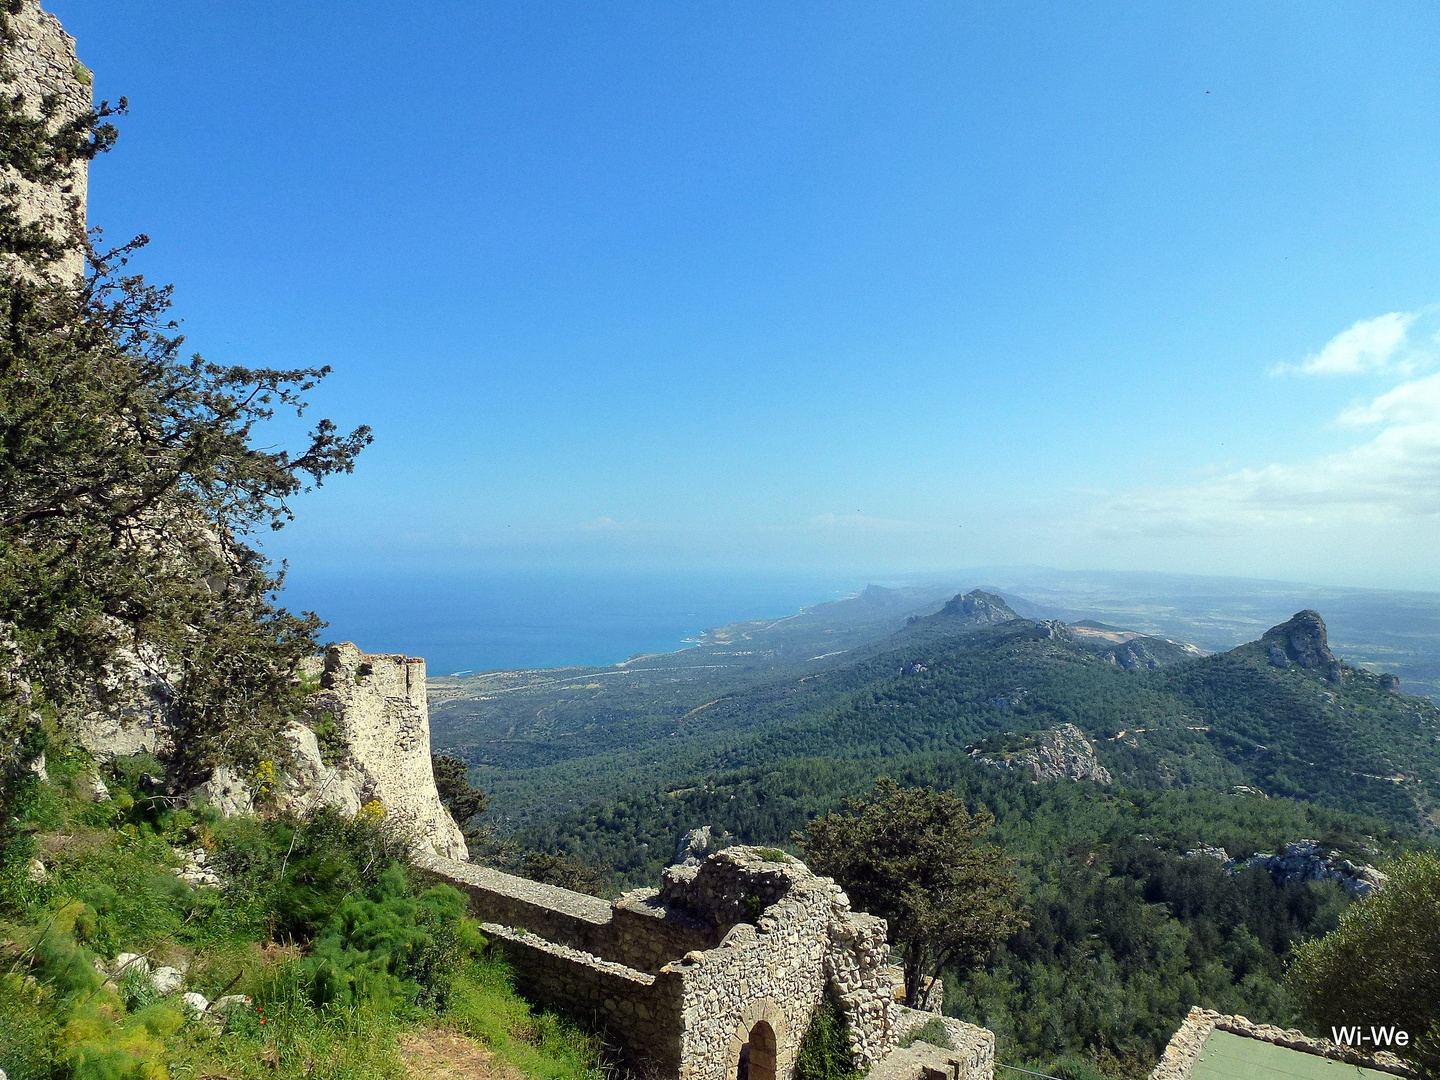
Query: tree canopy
(909,854)
(1381,965)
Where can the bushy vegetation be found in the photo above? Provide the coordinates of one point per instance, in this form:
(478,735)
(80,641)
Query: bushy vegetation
(131,477)
(1126,930)
(910,856)
(1381,966)
(321,924)
(825,1050)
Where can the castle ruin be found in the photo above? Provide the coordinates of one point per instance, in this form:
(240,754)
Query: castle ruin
(717,974)
(42,64)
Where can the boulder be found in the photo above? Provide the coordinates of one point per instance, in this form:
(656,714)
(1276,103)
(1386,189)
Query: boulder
(167,980)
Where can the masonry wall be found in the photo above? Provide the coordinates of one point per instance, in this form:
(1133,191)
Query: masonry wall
(559,915)
(641,1011)
(681,977)
(805,942)
(43,61)
(379,701)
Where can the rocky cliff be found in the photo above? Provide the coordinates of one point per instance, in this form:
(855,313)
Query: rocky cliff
(1303,641)
(372,714)
(365,740)
(42,60)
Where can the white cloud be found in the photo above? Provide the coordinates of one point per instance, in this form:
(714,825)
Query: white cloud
(1415,402)
(1369,345)
(1393,476)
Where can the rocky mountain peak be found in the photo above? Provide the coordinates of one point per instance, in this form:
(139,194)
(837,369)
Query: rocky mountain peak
(979,607)
(1304,641)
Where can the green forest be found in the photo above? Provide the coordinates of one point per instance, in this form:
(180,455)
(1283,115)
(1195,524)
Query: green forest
(1138,900)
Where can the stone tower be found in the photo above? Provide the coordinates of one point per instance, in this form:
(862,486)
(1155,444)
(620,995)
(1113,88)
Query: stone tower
(40,60)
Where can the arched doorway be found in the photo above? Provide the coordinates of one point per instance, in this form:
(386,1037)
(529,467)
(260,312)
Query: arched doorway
(757,1056)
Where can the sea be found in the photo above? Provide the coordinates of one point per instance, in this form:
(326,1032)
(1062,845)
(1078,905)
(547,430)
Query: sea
(496,620)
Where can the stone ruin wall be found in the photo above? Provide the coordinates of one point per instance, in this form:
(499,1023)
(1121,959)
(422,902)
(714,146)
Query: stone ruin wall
(377,703)
(681,976)
(643,1013)
(43,61)
(1183,1050)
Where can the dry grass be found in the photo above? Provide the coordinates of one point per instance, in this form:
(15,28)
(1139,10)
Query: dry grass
(432,1054)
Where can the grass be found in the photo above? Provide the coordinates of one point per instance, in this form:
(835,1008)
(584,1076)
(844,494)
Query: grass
(484,1007)
(932,1032)
(276,934)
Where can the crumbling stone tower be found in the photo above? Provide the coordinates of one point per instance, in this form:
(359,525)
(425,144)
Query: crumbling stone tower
(41,63)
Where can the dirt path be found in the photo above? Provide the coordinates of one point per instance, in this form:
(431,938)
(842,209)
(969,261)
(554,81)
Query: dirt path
(444,1055)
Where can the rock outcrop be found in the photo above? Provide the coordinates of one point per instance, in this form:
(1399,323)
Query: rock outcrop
(1304,642)
(373,712)
(1062,753)
(1306,860)
(979,607)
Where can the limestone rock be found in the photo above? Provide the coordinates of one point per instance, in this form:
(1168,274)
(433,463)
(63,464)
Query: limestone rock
(227,792)
(194,1002)
(1062,753)
(979,607)
(167,980)
(1303,641)
(1206,851)
(196,871)
(309,782)
(132,714)
(1306,860)
(695,846)
(127,963)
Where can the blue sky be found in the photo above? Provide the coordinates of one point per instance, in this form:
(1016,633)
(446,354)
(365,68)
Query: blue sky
(879,288)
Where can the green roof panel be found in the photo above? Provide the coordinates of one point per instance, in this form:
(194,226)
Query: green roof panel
(1226,1056)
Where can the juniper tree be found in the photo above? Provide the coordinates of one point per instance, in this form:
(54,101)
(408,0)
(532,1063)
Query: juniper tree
(1381,965)
(132,482)
(909,855)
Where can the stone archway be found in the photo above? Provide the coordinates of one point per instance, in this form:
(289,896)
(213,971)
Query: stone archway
(757,1054)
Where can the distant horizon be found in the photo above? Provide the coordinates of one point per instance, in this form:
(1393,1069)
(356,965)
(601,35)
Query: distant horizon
(483,620)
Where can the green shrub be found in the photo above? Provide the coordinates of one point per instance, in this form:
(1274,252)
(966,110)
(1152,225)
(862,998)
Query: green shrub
(932,1032)
(392,946)
(825,1050)
(1382,964)
(330,737)
(295,872)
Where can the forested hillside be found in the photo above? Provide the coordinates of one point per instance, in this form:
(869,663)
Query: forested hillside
(1139,895)
(944,684)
